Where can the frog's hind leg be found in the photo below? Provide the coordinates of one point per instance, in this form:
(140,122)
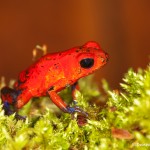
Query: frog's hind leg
(8,96)
(9,99)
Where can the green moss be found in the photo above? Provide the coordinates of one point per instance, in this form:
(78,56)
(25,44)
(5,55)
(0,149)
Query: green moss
(127,109)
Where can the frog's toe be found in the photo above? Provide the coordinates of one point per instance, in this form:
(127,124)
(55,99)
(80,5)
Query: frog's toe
(70,110)
(76,109)
(19,117)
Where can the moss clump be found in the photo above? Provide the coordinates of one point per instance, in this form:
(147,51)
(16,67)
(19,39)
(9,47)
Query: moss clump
(122,122)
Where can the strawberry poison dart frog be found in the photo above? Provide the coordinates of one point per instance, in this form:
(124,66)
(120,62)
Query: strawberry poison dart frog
(52,73)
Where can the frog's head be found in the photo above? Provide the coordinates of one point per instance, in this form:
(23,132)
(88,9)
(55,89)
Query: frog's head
(90,58)
(82,60)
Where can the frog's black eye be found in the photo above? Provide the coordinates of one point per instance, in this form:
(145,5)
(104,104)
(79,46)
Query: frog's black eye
(87,63)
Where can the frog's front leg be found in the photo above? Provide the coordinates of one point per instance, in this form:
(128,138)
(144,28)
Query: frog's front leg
(56,99)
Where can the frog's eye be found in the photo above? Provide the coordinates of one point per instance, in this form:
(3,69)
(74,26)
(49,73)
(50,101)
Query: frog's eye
(87,63)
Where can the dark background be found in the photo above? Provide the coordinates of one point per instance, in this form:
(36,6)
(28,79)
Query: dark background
(121,27)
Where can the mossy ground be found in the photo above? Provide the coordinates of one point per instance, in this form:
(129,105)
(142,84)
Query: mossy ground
(118,119)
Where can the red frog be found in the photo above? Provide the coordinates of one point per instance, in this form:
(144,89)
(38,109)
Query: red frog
(52,73)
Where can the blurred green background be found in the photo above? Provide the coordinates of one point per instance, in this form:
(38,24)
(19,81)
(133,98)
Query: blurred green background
(121,27)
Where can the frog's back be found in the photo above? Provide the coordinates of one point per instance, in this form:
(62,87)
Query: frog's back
(40,75)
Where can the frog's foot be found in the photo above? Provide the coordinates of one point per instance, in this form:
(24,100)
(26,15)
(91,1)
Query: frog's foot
(19,117)
(8,111)
(81,116)
(72,110)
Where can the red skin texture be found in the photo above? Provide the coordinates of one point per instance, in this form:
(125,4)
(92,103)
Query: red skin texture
(53,72)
